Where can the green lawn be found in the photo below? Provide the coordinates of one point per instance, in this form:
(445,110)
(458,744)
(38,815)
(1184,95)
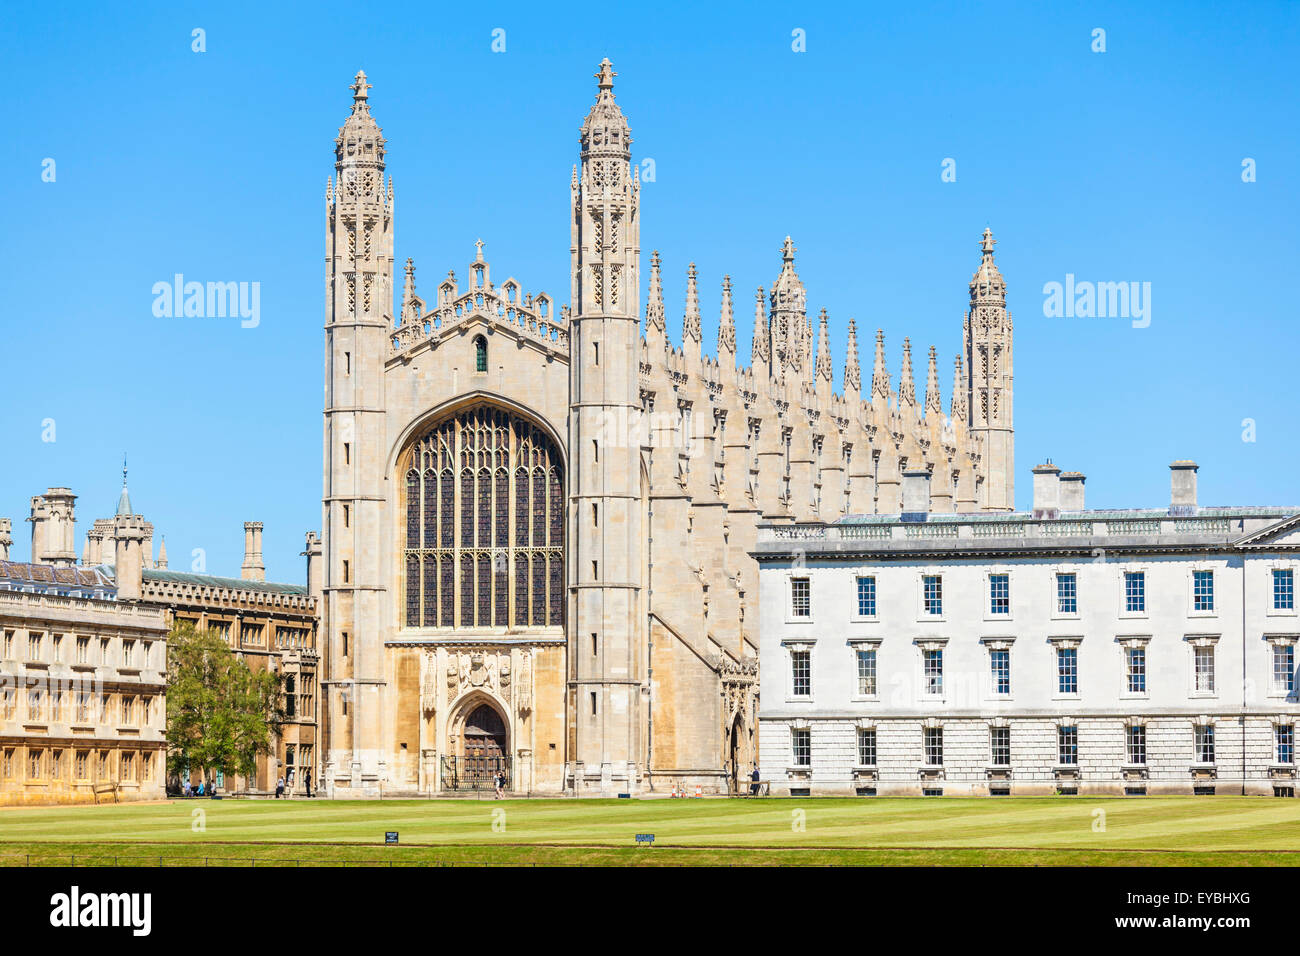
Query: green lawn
(1151,831)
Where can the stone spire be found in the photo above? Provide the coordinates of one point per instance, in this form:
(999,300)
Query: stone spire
(129,558)
(727,325)
(410,303)
(823,373)
(879,373)
(162,555)
(987,285)
(124,500)
(933,402)
(852,373)
(360,136)
(760,346)
(957,410)
(906,387)
(606,121)
(654,307)
(789,317)
(987,341)
(691,321)
(408,290)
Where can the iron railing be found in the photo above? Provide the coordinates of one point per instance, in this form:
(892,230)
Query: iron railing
(474,773)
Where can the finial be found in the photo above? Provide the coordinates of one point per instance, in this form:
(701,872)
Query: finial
(408,289)
(852,371)
(124,502)
(987,242)
(691,323)
(727,320)
(788,250)
(759,345)
(478,245)
(360,88)
(605,78)
(654,307)
(933,402)
(822,368)
(879,373)
(957,407)
(906,386)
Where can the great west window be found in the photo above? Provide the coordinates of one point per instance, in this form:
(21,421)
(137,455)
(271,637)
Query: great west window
(484,535)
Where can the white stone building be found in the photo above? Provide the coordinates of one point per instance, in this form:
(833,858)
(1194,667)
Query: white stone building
(1137,651)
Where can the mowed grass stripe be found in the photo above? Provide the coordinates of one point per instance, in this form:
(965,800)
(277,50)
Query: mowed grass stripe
(315,855)
(1219,823)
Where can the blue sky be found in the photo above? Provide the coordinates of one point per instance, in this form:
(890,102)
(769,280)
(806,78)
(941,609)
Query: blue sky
(1117,166)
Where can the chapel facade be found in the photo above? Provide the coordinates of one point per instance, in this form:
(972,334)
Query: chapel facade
(538,520)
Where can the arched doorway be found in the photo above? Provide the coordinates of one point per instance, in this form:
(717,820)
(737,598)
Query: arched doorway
(738,772)
(484,749)
(740,745)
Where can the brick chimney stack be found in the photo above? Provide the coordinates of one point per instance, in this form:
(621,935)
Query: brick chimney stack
(253,569)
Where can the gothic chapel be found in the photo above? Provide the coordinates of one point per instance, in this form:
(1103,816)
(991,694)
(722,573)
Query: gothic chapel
(537,520)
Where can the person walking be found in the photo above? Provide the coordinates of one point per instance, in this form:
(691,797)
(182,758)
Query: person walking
(306,779)
(279,788)
(753,787)
(500,781)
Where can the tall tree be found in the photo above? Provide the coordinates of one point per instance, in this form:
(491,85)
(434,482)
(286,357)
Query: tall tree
(220,713)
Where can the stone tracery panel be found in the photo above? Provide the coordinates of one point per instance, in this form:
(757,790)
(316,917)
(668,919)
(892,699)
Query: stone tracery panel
(484,497)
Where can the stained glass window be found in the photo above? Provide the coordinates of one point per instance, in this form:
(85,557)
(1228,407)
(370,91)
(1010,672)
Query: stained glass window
(467,528)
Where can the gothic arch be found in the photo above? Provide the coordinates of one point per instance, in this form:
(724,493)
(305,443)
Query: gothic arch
(481,522)
(465,708)
(422,422)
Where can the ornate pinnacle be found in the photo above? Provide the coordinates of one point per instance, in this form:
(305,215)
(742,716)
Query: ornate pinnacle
(852,374)
(933,403)
(906,387)
(987,284)
(654,307)
(957,409)
(691,322)
(758,348)
(823,364)
(408,290)
(788,250)
(605,77)
(879,373)
(727,321)
(360,91)
(987,242)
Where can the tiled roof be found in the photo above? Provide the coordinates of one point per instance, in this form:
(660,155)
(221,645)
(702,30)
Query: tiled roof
(230,584)
(44,575)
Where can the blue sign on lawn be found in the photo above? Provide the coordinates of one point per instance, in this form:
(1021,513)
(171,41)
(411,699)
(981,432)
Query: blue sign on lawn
(645,838)
(390,837)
